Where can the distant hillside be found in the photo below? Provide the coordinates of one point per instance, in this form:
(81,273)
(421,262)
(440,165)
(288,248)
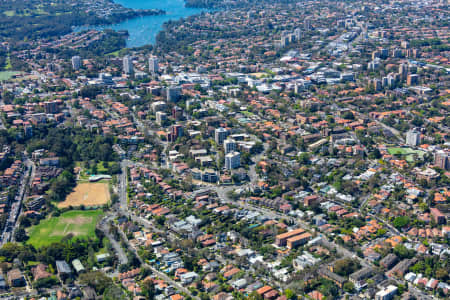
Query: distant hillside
(226,3)
(35,19)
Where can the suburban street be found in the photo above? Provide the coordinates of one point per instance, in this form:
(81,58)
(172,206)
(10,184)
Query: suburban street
(16,206)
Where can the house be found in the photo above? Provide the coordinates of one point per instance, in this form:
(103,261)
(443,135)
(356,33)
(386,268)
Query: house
(39,272)
(222,296)
(311,200)
(271,295)
(16,278)
(188,277)
(239,284)
(316,295)
(263,290)
(230,273)
(304,260)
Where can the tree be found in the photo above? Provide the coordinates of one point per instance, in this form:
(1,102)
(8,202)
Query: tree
(97,280)
(257,148)
(46,282)
(346,266)
(90,91)
(349,287)
(442,274)
(348,115)
(148,289)
(114,293)
(400,222)
(401,251)
(20,235)
(289,294)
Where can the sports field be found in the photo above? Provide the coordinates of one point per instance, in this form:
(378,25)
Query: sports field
(87,194)
(80,223)
(5,75)
(406,153)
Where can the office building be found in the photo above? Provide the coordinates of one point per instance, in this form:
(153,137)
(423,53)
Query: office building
(127,65)
(76,63)
(413,138)
(153,65)
(232,160)
(220,134)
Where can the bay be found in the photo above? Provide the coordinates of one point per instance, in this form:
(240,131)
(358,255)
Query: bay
(143,30)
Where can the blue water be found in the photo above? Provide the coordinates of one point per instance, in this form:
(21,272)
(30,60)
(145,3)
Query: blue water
(143,30)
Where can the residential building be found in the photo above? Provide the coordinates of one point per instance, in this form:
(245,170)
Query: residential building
(413,138)
(127,65)
(16,278)
(153,65)
(76,63)
(442,160)
(232,160)
(160,117)
(173,93)
(229,145)
(386,293)
(412,79)
(438,216)
(281,239)
(220,134)
(176,132)
(298,240)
